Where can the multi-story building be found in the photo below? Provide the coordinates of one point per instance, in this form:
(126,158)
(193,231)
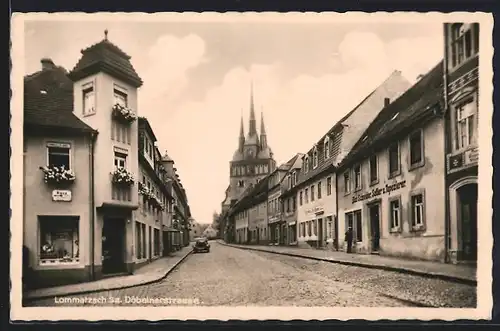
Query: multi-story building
(316,190)
(86,220)
(461,63)
(252,161)
(289,200)
(105,98)
(391,185)
(276,207)
(151,216)
(57,198)
(249,214)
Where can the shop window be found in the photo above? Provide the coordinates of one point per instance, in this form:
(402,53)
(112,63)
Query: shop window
(417,210)
(309,228)
(416,149)
(395,214)
(59,155)
(355,221)
(394,164)
(315,227)
(373,169)
(59,240)
(138,240)
(156,235)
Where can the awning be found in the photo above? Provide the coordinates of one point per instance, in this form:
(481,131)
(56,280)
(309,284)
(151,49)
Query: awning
(168,229)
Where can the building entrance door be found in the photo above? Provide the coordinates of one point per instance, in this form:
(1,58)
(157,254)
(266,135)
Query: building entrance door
(375,226)
(468,217)
(113,245)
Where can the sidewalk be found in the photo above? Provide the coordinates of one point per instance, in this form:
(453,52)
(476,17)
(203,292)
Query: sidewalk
(457,273)
(147,274)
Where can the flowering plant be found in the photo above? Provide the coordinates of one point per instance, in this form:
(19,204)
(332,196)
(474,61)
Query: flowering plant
(57,174)
(124,113)
(150,196)
(122,176)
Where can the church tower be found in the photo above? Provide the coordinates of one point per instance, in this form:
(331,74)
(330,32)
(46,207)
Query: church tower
(253,160)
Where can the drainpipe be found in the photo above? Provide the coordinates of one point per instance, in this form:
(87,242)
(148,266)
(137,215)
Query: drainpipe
(92,206)
(446,145)
(336,219)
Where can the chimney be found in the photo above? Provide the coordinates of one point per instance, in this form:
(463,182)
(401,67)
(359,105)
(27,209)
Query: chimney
(387,101)
(47,64)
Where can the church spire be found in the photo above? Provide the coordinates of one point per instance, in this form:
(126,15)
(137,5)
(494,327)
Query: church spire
(263,135)
(242,136)
(252,130)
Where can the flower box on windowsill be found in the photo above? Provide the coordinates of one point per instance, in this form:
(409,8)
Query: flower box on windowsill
(58,175)
(123,114)
(122,176)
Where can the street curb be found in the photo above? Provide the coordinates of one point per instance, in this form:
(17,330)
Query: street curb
(41,297)
(409,271)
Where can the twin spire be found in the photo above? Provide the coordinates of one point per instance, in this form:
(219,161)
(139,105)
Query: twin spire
(252,129)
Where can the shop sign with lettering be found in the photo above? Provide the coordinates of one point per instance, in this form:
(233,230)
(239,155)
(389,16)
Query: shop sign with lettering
(315,210)
(387,189)
(61,195)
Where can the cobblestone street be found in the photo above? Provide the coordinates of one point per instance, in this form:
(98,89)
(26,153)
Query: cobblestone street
(235,277)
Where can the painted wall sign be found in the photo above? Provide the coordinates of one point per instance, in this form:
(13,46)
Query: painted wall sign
(315,210)
(61,195)
(58,145)
(387,189)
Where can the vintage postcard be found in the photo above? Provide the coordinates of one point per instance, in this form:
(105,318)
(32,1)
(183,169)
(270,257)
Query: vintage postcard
(251,166)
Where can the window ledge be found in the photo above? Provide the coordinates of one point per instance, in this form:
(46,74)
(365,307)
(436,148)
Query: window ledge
(461,64)
(358,189)
(394,174)
(418,228)
(374,182)
(141,260)
(347,193)
(395,230)
(89,114)
(416,165)
(59,265)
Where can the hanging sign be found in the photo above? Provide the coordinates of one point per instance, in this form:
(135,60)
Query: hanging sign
(387,189)
(61,195)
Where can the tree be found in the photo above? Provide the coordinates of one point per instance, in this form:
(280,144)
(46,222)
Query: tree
(216,221)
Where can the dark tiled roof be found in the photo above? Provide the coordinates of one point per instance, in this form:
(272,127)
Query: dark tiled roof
(144,125)
(106,57)
(48,101)
(417,101)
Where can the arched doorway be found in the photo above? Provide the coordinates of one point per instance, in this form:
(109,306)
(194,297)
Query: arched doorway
(467,196)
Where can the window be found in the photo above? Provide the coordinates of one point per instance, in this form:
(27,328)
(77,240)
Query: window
(417,207)
(120,97)
(121,160)
(329,186)
(294,203)
(315,158)
(319,190)
(138,240)
(347,182)
(302,229)
(309,225)
(395,214)
(58,240)
(326,148)
(312,193)
(306,195)
(289,179)
(288,205)
(465,123)
(393,159)
(88,96)
(241,183)
(300,198)
(464,42)
(357,177)
(315,227)
(373,169)
(416,148)
(306,164)
(58,155)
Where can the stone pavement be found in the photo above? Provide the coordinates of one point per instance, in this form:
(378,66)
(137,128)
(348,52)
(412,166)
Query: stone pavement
(147,274)
(457,273)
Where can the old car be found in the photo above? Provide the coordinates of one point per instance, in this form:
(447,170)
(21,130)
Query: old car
(201,245)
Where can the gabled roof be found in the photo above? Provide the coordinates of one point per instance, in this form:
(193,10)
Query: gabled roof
(106,57)
(48,101)
(417,101)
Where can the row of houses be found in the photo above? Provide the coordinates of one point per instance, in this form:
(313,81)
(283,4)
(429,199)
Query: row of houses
(400,170)
(99,197)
